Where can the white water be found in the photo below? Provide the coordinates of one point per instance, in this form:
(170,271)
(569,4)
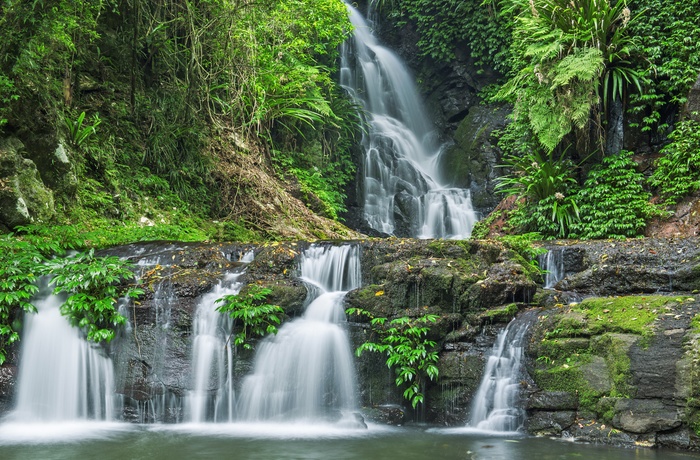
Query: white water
(62,377)
(401,151)
(212,397)
(553,263)
(495,402)
(306,372)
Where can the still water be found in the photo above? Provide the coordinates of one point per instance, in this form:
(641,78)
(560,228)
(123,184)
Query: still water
(268,441)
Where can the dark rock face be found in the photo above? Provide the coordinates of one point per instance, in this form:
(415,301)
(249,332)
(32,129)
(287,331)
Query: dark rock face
(471,162)
(23,196)
(634,386)
(693,105)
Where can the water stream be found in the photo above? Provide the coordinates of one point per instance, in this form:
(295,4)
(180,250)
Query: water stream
(553,263)
(402,182)
(62,377)
(495,405)
(306,372)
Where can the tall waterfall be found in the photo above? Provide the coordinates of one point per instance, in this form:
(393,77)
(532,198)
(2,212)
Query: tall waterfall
(306,371)
(401,150)
(62,377)
(495,407)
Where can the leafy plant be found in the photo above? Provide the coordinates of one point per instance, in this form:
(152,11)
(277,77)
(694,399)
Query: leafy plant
(412,356)
(94,286)
(570,56)
(613,203)
(21,264)
(251,314)
(547,184)
(78,131)
(677,172)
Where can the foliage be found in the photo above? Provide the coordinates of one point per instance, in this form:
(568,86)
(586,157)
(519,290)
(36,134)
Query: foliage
(677,172)
(444,25)
(252,313)
(21,264)
(670,42)
(412,356)
(94,286)
(77,133)
(547,184)
(569,57)
(612,202)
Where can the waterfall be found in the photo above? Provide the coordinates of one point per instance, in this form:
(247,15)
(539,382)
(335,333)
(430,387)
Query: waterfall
(62,377)
(212,397)
(553,263)
(494,407)
(306,371)
(401,163)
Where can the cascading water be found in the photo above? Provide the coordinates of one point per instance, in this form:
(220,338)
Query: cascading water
(61,376)
(212,395)
(553,263)
(495,405)
(306,371)
(401,151)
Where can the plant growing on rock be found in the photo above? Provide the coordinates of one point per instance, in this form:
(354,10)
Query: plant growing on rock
(251,312)
(409,352)
(94,286)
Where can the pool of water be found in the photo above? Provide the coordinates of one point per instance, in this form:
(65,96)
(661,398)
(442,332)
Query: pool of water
(268,441)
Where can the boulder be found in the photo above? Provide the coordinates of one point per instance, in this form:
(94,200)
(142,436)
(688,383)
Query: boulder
(23,196)
(693,105)
(645,416)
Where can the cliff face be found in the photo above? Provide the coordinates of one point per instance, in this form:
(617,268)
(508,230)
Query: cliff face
(617,369)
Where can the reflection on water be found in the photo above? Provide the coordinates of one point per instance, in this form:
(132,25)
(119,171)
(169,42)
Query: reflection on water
(289,441)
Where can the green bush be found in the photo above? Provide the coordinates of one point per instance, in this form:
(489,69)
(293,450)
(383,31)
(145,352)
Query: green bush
(412,356)
(613,202)
(677,172)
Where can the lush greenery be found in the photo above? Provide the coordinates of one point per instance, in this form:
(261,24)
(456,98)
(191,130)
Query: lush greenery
(91,284)
(613,202)
(678,171)
(408,350)
(155,99)
(445,27)
(252,316)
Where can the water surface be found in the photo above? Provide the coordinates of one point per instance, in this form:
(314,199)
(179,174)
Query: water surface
(270,441)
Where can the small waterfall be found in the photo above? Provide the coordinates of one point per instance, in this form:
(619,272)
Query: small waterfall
(494,407)
(212,397)
(306,371)
(401,151)
(62,377)
(553,263)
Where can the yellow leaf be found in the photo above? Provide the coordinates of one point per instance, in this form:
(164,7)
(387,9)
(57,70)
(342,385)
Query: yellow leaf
(378,293)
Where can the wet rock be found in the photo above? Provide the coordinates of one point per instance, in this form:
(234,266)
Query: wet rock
(645,416)
(693,105)
(471,162)
(547,423)
(385,414)
(552,400)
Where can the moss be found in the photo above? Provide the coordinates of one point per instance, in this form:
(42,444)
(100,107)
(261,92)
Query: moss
(568,376)
(501,315)
(482,228)
(629,314)
(614,348)
(695,324)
